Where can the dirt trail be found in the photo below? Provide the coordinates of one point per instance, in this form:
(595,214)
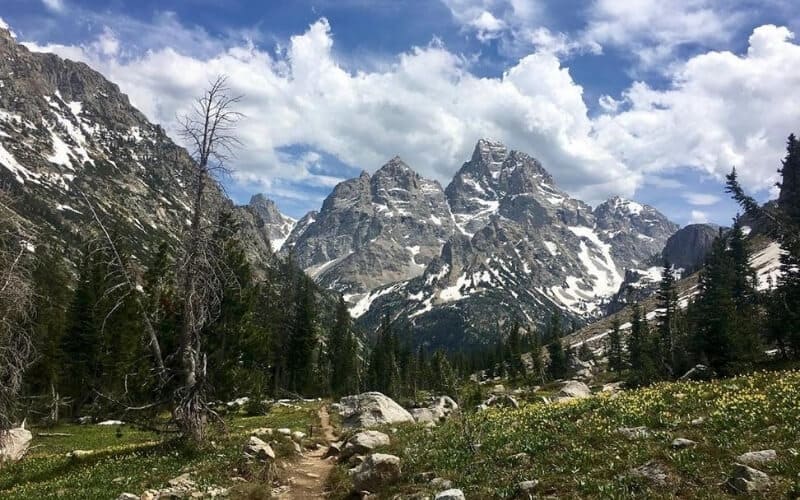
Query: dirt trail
(308,476)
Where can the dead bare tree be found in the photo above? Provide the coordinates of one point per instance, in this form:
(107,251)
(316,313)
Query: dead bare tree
(208,131)
(16,297)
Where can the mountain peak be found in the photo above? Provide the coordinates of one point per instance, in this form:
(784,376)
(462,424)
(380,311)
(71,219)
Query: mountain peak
(619,204)
(489,151)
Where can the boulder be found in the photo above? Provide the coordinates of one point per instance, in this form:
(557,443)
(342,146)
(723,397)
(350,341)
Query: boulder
(298,436)
(445,403)
(378,470)
(364,443)
(634,433)
(127,496)
(526,490)
(372,409)
(258,449)
(748,480)
(283,431)
(14,444)
(613,387)
(454,494)
(427,415)
(574,389)
(699,372)
(681,443)
(757,457)
(262,431)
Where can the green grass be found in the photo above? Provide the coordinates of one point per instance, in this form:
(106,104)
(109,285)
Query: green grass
(574,450)
(137,460)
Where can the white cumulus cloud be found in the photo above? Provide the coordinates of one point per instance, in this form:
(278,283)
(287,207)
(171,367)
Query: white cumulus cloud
(721,109)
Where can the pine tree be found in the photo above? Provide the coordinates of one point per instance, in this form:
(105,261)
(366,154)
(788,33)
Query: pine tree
(302,339)
(665,320)
(637,344)
(513,351)
(51,301)
(443,377)
(616,360)
(558,367)
(340,351)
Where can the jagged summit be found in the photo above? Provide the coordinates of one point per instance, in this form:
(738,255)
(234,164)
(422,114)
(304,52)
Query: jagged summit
(270,220)
(374,230)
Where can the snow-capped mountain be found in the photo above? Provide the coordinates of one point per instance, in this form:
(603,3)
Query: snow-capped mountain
(373,230)
(502,240)
(271,221)
(67,135)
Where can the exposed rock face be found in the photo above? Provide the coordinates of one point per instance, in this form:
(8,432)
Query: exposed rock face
(688,247)
(270,220)
(14,444)
(371,409)
(374,230)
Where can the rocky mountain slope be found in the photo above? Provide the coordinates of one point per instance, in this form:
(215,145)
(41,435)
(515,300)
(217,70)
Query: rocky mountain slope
(68,135)
(373,230)
(501,241)
(275,225)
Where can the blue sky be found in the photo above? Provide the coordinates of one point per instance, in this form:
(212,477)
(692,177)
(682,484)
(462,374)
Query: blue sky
(651,101)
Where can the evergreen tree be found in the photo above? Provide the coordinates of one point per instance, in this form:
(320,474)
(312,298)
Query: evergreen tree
(558,367)
(667,310)
(443,377)
(302,339)
(641,350)
(616,356)
(51,300)
(513,351)
(340,351)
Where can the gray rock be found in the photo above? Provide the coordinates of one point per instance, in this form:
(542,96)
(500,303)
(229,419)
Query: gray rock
(574,389)
(363,443)
(257,448)
(377,471)
(441,483)
(298,436)
(699,372)
(761,457)
(747,480)
(452,494)
(127,496)
(634,433)
(526,489)
(680,443)
(14,444)
(427,415)
(372,409)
